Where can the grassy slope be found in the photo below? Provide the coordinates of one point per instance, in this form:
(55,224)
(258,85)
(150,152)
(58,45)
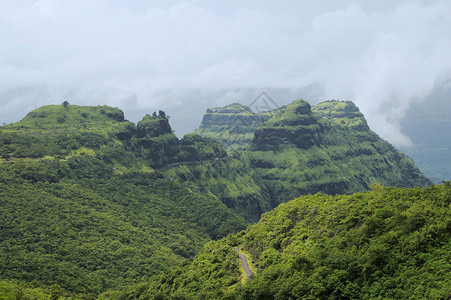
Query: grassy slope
(386,243)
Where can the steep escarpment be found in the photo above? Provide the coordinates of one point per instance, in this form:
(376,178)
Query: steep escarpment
(233,125)
(230,179)
(294,126)
(155,141)
(299,149)
(328,149)
(341,113)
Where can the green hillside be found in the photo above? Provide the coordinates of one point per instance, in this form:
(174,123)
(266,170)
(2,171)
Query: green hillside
(82,204)
(327,149)
(302,150)
(94,203)
(229,179)
(388,243)
(296,150)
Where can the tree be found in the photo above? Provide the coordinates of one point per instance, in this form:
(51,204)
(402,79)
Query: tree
(65,103)
(162,114)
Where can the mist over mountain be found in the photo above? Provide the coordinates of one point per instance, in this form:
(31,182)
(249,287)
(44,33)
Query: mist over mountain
(428,125)
(385,56)
(200,176)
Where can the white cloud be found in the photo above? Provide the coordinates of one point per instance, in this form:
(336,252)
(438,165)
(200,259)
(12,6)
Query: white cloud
(382,56)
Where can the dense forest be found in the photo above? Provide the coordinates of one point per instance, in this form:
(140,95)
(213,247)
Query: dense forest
(83,205)
(92,205)
(388,243)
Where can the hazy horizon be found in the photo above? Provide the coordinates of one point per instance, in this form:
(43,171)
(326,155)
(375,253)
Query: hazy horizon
(186,56)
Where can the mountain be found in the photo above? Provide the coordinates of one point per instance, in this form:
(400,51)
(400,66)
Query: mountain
(94,203)
(303,150)
(83,204)
(388,243)
(233,125)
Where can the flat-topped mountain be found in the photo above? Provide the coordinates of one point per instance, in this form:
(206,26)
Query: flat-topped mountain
(294,125)
(343,113)
(233,125)
(52,118)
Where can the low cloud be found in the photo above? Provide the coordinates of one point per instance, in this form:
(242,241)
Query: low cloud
(198,55)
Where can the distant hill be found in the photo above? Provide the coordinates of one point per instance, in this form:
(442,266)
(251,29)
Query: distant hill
(388,243)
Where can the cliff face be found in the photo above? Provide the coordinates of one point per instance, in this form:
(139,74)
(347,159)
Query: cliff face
(300,149)
(155,140)
(328,149)
(233,125)
(295,125)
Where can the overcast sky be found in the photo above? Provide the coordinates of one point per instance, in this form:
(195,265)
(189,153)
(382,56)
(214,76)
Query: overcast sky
(185,56)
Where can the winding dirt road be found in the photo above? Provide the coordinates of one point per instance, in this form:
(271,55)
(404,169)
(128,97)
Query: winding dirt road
(244,263)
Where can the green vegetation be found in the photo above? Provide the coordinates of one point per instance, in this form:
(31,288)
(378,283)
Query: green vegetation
(329,150)
(53,119)
(233,125)
(155,141)
(12,290)
(93,231)
(196,148)
(299,150)
(83,207)
(230,180)
(387,243)
(341,113)
(98,205)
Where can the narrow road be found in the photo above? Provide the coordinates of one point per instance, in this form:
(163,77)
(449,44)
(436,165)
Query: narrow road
(244,263)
